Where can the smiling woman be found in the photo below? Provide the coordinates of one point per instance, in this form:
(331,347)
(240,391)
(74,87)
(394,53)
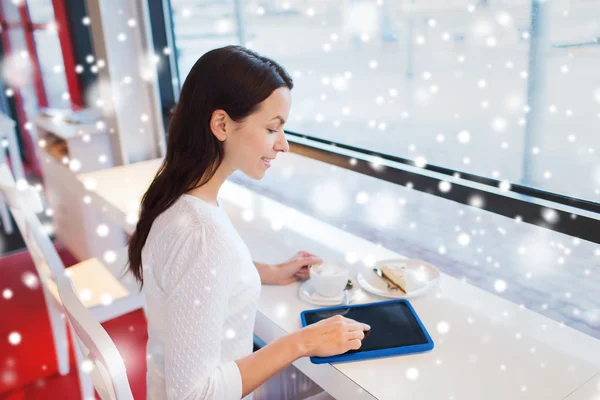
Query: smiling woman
(220,125)
(201,285)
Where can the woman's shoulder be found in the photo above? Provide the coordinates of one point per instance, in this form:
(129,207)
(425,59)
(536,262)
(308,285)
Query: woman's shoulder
(184,221)
(183,215)
(181,237)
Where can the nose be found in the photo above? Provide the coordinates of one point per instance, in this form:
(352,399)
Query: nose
(282,143)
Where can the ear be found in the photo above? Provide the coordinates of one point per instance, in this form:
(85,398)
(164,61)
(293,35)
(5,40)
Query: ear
(220,124)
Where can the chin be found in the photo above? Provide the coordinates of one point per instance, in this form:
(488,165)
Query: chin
(255,175)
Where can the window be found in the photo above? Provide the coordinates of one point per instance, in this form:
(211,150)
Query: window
(11,11)
(498,89)
(457,85)
(40,11)
(53,69)
(36,47)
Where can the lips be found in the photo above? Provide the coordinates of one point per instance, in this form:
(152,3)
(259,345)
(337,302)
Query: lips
(267,160)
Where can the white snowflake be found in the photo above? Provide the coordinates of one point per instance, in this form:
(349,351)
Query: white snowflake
(412,374)
(500,285)
(87,366)
(443,327)
(464,239)
(106,299)
(102,230)
(30,280)
(14,338)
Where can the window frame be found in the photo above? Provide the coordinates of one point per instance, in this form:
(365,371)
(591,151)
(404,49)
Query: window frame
(576,217)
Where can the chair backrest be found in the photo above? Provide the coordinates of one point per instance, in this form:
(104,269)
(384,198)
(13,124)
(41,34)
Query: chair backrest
(24,203)
(108,375)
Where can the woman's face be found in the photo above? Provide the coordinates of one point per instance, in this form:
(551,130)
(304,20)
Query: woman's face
(255,142)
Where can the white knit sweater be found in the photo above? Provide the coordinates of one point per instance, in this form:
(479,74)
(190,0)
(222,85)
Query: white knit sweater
(202,291)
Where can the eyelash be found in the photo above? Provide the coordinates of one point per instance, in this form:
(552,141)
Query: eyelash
(272,131)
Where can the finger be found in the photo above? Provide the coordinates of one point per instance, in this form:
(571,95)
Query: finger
(357,326)
(355,344)
(360,335)
(354,326)
(306,261)
(304,253)
(307,255)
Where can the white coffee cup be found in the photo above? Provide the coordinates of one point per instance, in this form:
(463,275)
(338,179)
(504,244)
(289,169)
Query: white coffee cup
(329,278)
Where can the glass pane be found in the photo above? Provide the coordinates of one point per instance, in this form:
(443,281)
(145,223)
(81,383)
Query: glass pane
(10,10)
(200,26)
(18,71)
(468,85)
(53,71)
(41,11)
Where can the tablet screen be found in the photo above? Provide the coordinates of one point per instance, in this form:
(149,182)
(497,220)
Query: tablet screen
(392,325)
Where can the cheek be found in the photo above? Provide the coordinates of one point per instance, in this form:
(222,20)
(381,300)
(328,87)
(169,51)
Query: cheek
(252,143)
(251,149)
(258,143)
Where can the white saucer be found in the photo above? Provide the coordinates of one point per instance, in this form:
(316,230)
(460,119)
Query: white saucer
(308,294)
(421,277)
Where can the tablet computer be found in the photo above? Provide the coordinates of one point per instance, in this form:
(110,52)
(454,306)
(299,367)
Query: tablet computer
(395,329)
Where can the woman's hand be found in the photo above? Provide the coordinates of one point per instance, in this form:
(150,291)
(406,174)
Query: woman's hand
(331,336)
(296,268)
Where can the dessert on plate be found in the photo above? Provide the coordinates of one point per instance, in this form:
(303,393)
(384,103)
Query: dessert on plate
(395,274)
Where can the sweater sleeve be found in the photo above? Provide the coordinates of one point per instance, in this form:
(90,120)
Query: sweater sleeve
(198,281)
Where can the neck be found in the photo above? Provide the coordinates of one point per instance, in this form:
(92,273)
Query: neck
(210,190)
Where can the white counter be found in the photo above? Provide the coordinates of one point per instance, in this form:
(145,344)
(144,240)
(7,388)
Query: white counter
(493,349)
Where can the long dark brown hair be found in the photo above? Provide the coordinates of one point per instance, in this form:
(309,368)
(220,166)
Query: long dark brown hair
(233,79)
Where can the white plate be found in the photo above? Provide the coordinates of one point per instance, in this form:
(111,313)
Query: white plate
(420,278)
(308,293)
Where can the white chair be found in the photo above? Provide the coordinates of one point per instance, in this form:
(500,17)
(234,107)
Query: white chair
(103,295)
(94,348)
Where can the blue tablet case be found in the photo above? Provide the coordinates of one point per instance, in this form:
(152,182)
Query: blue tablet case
(365,355)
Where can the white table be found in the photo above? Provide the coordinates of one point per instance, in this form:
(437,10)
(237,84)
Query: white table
(589,391)
(493,349)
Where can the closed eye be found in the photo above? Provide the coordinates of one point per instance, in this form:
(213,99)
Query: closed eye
(272,130)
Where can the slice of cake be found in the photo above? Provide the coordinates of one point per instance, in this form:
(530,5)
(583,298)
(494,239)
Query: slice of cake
(396,275)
